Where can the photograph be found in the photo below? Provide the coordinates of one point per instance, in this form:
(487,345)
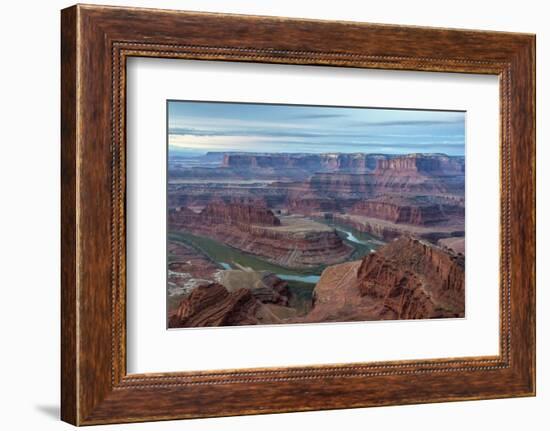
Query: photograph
(307,214)
(286,214)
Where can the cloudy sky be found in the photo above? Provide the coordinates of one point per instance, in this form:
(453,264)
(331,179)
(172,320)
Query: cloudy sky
(198,127)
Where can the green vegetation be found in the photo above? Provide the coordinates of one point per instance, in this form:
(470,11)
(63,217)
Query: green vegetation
(301,292)
(219,252)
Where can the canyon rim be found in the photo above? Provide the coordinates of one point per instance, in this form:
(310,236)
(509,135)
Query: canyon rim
(282,214)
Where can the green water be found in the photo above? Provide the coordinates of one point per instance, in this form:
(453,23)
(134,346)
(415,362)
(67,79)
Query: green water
(362,242)
(230,257)
(222,253)
(301,282)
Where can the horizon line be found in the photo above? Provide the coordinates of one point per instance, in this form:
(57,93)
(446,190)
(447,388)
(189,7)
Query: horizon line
(375,153)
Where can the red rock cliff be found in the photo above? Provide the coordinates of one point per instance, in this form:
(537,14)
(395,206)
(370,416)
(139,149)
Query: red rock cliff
(254,213)
(405,279)
(300,243)
(213,305)
(427,163)
(328,161)
(442,268)
(399,291)
(400,213)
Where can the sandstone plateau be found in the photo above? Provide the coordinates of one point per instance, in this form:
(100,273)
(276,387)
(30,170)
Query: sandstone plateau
(399,210)
(330,181)
(258,238)
(294,242)
(338,161)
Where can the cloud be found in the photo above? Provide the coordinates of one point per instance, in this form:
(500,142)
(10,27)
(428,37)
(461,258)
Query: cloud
(316,116)
(456,121)
(343,130)
(221,123)
(209,142)
(316,137)
(275,132)
(270,144)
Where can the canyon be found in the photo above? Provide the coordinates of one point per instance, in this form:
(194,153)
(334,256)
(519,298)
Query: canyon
(294,242)
(269,238)
(405,279)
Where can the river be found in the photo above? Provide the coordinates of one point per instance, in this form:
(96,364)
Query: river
(231,258)
(313,279)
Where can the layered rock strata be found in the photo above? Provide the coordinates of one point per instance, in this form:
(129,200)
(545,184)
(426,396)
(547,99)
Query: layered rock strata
(214,305)
(239,213)
(296,243)
(401,212)
(433,164)
(414,263)
(327,161)
(388,230)
(307,183)
(406,279)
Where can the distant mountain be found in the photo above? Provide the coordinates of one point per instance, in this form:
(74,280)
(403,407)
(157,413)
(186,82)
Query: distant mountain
(347,162)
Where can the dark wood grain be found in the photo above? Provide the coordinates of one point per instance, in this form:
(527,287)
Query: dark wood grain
(96,41)
(69,397)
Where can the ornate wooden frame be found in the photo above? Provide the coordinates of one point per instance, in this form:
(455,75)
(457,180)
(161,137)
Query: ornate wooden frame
(95,42)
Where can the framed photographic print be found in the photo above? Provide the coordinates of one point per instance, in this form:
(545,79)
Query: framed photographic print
(335,214)
(281,214)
